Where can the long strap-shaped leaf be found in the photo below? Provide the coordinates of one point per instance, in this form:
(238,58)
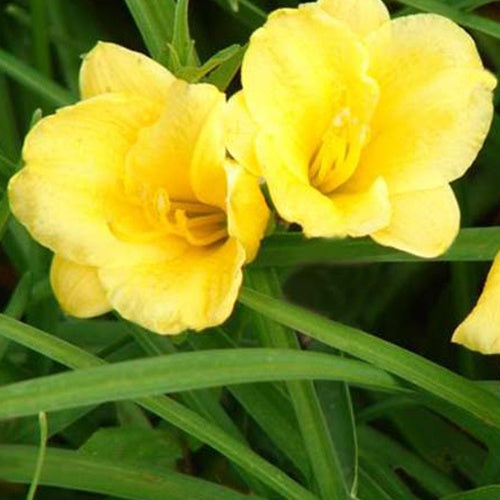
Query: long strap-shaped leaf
(433,378)
(155,20)
(76,470)
(166,408)
(321,450)
(178,415)
(473,21)
(291,249)
(180,372)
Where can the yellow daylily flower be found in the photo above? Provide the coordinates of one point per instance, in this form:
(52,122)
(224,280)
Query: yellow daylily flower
(480,331)
(359,123)
(132,190)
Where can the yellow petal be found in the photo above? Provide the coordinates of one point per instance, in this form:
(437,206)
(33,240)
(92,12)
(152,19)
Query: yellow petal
(301,69)
(196,291)
(247,211)
(363,16)
(73,160)
(294,198)
(241,133)
(183,152)
(481,329)
(208,177)
(111,68)
(435,104)
(78,289)
(364,211)
(423,223)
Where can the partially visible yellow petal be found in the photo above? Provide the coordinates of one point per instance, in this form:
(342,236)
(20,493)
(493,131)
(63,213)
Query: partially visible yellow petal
(364,211)
(481,329)
(423,223)
(74,159)
(186,137)
(294,198)
(111,68)
(92,136)
(410,51)
(363,16)
(247,212)
(196,291)
(78,289)
(301,69)
(241,133)
(435,104)
(433,135)
(208,177)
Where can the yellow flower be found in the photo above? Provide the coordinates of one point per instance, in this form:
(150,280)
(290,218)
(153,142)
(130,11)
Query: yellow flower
(481,329)
(359,123)
(132,190)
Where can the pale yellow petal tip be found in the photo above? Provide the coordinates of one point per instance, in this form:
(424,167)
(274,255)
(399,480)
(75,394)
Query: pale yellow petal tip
(109,67)
(483,341)
(362,16)
(78,289)
(426,233)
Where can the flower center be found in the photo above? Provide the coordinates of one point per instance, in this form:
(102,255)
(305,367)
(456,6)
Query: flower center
(199,224)
(338,153)
(148,214)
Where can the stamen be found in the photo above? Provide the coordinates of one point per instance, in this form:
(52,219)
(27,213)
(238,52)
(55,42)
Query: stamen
(215,218)
(209,239)
(190,207)
(199,224)
(338,155)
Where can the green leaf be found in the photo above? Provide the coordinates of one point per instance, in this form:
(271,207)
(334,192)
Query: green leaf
(471,4)
(321,450)
(40,34)
(42,419)
(336,402)
(17,303)
(196,73)
(9,139)
(397,457)
(473,21)
(223,75)
(247,12)
(388,483)
(274,414)
(155,20)
(440,382)
(292,249)
(439,442)
(266,403)
(79,471)
(148,448)
(182,44)
(370,488)
(19,298)
(484,493)
(34,80)
(165,408)
(180,372)
(7,167)
(4,214)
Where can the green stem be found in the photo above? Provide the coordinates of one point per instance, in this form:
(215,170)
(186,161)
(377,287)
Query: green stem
(42,418)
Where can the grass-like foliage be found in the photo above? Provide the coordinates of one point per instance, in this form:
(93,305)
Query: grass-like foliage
(333,378)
